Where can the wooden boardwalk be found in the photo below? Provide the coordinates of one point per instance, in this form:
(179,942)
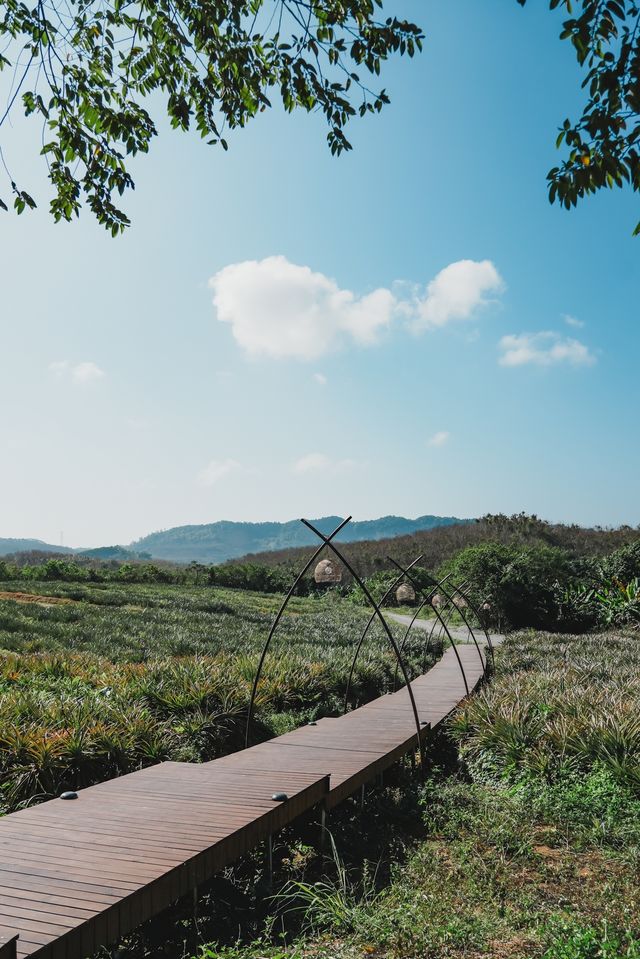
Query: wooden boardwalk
(79,874)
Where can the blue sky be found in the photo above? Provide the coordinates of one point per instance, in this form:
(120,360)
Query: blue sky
(434,369)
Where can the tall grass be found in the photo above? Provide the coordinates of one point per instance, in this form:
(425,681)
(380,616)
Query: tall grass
(557,705)
(127,676)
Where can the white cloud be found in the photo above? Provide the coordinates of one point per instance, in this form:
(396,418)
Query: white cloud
(439,438)
(457,292)
(320,378)
(80,373)
(278,309)
(86,373)
(543,349)
(572,321)
(320,463)
(215,471)
(59,368)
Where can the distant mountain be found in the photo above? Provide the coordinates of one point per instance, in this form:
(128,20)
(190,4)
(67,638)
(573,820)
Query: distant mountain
(8,546)
(217,542)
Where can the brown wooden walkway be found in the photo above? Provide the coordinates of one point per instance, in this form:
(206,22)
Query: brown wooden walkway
(76,875)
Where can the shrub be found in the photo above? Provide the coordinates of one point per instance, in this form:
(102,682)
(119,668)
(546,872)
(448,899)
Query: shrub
(618,603)
(520,582)
(571,940)
(623,565)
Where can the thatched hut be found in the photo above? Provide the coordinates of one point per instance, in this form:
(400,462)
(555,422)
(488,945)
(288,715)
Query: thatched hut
(405,594)
(327,573)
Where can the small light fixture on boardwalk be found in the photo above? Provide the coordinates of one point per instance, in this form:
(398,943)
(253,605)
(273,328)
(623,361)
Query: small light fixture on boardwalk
(405,594)
(327,573)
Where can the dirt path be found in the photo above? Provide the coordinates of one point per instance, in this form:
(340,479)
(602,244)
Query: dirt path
(459,633)
(35,598)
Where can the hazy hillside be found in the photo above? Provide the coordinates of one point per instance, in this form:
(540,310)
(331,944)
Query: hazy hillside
(119,553)
(217,542)
(8,546)
(441,542)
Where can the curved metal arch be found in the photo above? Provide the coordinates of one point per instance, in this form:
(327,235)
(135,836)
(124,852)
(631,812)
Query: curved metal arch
(450,608)
(474,609)
(482,658)
(427,599)
(391,588)
(384,624)
(426,602)
(453,605)
(276,621)
(443,621)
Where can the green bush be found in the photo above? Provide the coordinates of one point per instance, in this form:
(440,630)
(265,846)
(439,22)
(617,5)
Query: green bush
(623,565)
(570,940)
(520,583)
(379,584)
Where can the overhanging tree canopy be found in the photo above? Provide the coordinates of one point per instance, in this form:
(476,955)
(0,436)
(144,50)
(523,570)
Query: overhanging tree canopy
(88,67)
(602,145)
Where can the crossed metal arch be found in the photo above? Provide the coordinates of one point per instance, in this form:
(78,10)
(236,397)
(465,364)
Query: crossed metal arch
(394,585)
(427,599)
(453,607)
(327,541)
(443,621)
(449,597)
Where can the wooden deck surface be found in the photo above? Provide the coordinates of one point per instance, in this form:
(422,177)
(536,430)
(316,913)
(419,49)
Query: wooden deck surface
(79,874)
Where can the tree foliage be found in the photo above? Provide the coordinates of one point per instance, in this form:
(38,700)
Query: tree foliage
(602,145)
(92,68)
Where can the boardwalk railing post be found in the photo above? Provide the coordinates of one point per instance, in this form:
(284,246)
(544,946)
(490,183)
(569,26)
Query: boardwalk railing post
(194,895)
(8,945)
(270,860)
(323,830)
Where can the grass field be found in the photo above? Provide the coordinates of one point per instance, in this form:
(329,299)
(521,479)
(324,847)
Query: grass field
(523,841)
(98,680)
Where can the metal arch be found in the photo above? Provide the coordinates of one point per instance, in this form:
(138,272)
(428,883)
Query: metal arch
(440,586)
(483,661)
(385,626)
(474,609)
(393,586)
(461,592)
(444,619)
(427,601)
(276,621)
(450,608)
(443,624)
